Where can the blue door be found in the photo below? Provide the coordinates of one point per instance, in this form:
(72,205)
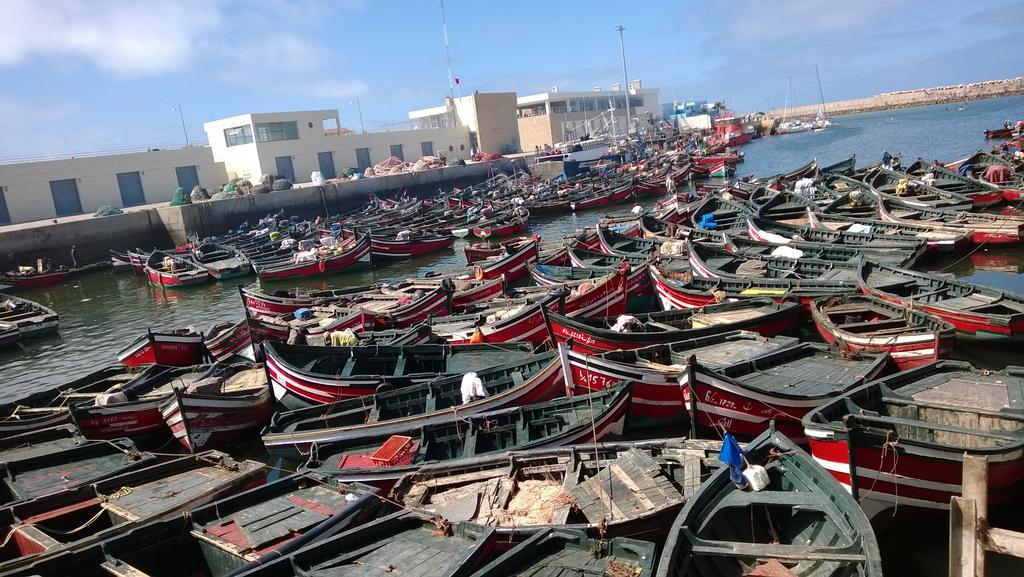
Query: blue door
(326,160)
(188,177)
(65,197)
(5,217)
(130,184)
(363,158)
(285,168)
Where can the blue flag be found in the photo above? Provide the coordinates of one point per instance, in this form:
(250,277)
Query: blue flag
(732,456)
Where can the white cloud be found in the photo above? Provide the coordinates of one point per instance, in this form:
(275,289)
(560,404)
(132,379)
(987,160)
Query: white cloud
(119,36)
(270,43)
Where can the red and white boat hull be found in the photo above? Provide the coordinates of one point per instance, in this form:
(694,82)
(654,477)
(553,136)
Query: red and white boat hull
(901,473)
(163,349)
(512,266)
(202,422)
(384,248)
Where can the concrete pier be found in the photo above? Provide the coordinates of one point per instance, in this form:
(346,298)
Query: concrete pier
(911,98)
(160,225)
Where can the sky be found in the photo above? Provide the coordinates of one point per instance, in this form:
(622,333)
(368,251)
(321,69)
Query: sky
(106,75)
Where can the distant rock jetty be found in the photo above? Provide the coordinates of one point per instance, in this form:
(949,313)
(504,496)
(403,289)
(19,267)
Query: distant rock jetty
(956,93)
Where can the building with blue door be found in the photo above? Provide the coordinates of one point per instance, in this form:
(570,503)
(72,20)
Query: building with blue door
(59,187)
(292,145)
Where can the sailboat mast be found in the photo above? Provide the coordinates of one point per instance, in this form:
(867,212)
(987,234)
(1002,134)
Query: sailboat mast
(785,109)
(821,95)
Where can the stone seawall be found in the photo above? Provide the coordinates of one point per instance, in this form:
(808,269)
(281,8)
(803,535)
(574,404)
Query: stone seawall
(164,226)
(912,98)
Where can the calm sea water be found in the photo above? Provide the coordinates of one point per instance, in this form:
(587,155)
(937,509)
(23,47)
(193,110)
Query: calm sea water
(100,313)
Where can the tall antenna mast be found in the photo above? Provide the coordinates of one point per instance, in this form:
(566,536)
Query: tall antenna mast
(447,52)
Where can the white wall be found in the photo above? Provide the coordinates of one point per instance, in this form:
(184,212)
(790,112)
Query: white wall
(253,160)
(26,185)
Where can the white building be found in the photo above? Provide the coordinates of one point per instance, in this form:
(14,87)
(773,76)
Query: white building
(51,188)
(555,116)
(290,144)
(490,118)
(294,144)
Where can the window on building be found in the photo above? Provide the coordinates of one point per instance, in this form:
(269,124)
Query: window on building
(397,152)
(238,135)
(593,105)
(330,126)
(636,101)
(427,148)
(618,102)
(535,110)
(274,131)
(558,107)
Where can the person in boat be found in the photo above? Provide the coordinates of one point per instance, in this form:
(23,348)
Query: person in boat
(670,184)
(637,210)
(928,178)
(886,158)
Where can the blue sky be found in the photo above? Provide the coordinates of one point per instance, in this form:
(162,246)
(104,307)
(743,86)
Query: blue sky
(84,75)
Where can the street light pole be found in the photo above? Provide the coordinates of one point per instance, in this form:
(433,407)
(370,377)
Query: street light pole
(183,130)
(625,77)
(359,108)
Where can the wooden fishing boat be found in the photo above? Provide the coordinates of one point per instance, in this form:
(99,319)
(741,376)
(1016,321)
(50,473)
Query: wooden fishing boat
(981,228)
(51,407)
(120,261)
(415,245)
(976,311)
(711,262)
(639,294)
(976,165)
(1000,132)
(603,296)
(314,329)
(507,322)
(802,523)
(221,261)
(138,259)
(224,340)
(902,189)
(509,225)
(32,278)
(39,442)
(301,375)
(30,476)
(901,440)
(654,371)
(177,348)
(28,318)
(483,250)
(782,386)
(351,422)
(166,269)
(512,266)
(559,422)
(598,334)
(403,544)
(132,409)
(944,241)
(230,535)
(857,323)
(568,553)
(351,253)
(679,290)
(843,167)
(605,490)
(231,403)
(134,498)
(981,193)
(835,244)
